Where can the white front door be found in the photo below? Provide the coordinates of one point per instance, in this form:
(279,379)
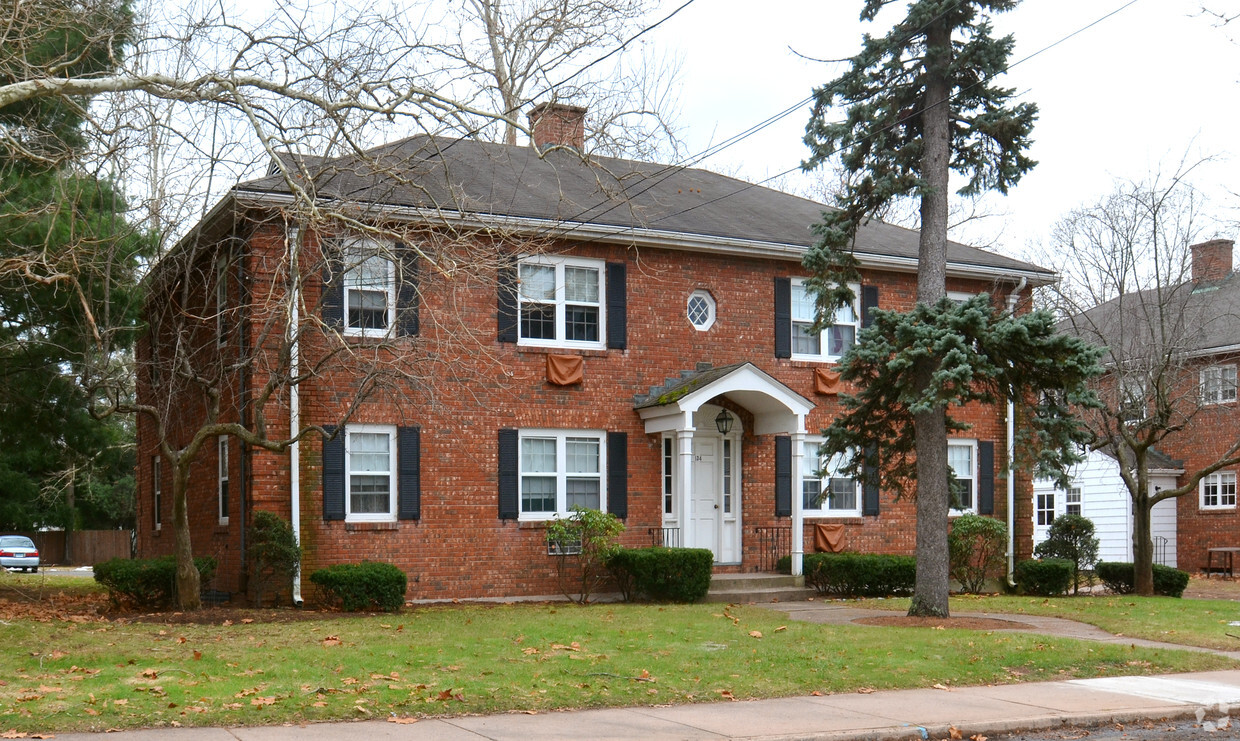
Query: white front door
(705,503)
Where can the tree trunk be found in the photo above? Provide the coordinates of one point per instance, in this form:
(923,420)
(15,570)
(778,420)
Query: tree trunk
(930,591)
(188,584)
(1142,545)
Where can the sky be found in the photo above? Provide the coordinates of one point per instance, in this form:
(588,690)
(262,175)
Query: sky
(1151,86)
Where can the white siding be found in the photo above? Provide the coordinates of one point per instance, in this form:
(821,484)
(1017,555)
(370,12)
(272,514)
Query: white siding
(1105,501)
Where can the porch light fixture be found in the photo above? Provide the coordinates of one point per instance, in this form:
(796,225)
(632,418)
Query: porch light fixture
(723,422)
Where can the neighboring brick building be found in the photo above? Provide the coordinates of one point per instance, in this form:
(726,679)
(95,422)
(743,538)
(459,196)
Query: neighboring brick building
(639,345)
(1177,348)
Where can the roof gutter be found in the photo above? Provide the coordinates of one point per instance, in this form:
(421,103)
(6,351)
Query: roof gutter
(550,228)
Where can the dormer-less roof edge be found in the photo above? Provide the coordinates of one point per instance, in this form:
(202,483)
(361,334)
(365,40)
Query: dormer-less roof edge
(613,234)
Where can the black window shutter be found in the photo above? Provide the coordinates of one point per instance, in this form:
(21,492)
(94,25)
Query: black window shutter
(333,475)
(508,474)
(986,478)
(783,476)
(617,307)
(783,317)
(869,483)
(409,473)
(506,313)
(333,286)
(618,474)
(869,300)
(406,291)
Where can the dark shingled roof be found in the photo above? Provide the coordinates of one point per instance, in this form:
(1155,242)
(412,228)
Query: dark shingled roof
(502,181)
(1199,317)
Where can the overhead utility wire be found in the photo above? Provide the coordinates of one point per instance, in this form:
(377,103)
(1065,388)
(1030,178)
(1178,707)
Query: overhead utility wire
(890,126)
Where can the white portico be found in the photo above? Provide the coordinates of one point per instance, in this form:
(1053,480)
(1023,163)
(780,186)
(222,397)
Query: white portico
(702,444)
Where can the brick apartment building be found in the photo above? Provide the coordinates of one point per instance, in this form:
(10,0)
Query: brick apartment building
(614,334)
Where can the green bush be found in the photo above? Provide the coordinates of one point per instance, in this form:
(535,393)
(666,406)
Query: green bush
(783,565)
(1071,537)
(148,583)
(363,586)
(1046,577)
(1119,578)
(273,554)
(663,574)
(589,536)
(976,547)
(860,574)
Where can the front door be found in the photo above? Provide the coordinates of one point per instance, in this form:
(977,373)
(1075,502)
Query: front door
(704,519)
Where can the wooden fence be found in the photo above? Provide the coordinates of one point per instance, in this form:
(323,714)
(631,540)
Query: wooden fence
(86,547)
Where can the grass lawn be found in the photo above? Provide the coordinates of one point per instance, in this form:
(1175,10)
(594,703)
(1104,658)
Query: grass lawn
(59,674)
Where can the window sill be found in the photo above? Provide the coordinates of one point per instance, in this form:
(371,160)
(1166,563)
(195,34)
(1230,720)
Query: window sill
(1226,509)
(370,526)
(585,352)
(831,516)
(808,362)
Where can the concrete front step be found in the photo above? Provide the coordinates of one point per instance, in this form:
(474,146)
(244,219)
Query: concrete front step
(757,588)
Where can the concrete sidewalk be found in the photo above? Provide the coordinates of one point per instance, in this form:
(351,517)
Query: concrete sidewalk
(879,716)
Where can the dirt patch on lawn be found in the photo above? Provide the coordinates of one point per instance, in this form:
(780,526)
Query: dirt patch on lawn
(963,623)
(1200,587)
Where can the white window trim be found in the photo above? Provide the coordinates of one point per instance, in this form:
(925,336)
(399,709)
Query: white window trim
(1217,478)
(712,309)
(221,478)
(1221,391)
(959,297)
(1075,490)
(822,510)
(560,263)
(972,444)
(667,481)
(157,487)
(390,515)
(1039,508)
(823,355)
(355,252)
(561,475)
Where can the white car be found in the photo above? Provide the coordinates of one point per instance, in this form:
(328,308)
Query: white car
(18,552)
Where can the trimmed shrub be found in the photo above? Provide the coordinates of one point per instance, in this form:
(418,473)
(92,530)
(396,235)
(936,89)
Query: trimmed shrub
(363,586)
(1071,537)
(1118,576)
(663,574)
(860,574)
(589,537)
(148,583)
(783,565)
(976,546)
(1046,577)
(273,554)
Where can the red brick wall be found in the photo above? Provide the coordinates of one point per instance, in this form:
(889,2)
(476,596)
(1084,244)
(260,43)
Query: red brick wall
(464,385)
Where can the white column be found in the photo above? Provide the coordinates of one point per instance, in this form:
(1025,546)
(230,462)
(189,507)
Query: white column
(798,515)
(684,477)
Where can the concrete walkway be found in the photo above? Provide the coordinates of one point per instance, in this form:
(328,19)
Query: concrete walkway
(879,716)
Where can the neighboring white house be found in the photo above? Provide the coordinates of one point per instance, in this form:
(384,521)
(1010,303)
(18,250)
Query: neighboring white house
(1098,492)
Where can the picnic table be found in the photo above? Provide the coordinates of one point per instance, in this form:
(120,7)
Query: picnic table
(1225,556)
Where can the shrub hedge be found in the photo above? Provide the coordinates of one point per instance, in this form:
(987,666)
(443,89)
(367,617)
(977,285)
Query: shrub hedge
(663,574)
(1119,578)
(860,574)
(363,586)
(1046,577)
(147,582)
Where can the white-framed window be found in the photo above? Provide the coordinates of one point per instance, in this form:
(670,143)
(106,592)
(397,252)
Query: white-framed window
(701,310)
(825,491)
(560,302)
(1046,507)
(1218,490)
(1133,393)
(221,299)
(561,469)
(834,340)
(959,297)
(157,490)
(728,486)
(370,475)
(369,290)
(1218,384)
(962,458)
(222,478)
(669,476)
(1072,501)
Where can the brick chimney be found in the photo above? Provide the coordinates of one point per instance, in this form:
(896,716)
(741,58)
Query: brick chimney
(558,124)
(1212,260)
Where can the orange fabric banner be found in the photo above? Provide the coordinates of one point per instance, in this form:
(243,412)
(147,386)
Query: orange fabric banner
(565,370)
(826,381)
(829,538)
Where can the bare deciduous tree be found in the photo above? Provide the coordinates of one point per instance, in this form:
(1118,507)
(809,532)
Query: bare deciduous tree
(1128,286)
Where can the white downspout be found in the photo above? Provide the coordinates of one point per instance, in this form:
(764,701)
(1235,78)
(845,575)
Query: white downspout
(294,406)
(1013,298)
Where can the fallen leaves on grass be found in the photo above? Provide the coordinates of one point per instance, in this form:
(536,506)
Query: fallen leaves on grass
(403,721)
